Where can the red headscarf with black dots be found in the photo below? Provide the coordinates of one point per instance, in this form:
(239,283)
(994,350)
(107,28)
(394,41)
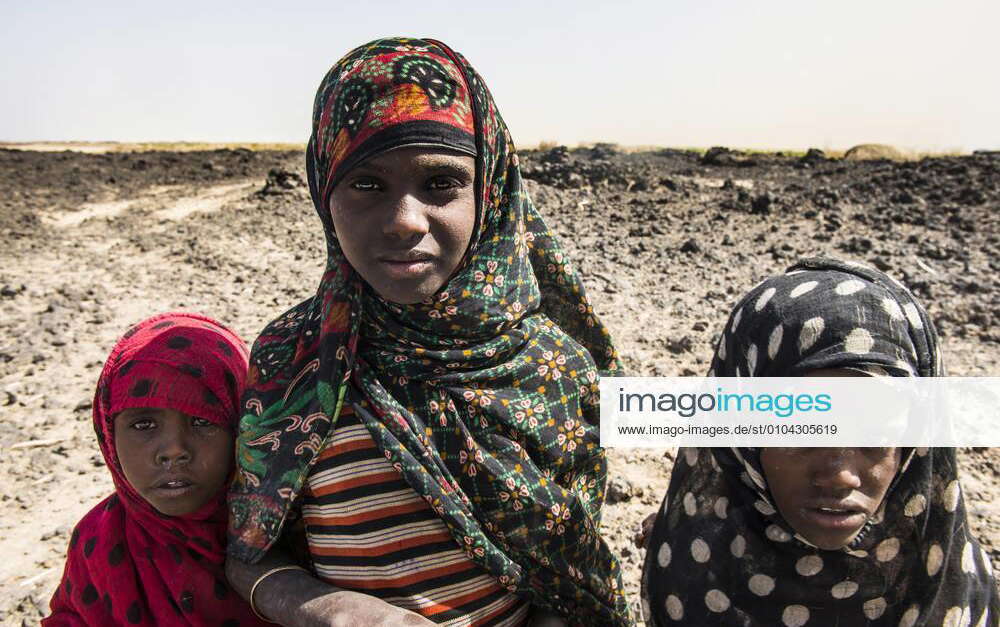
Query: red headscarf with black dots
(128,564)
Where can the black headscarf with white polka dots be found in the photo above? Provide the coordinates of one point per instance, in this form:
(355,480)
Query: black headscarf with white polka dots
(721,554)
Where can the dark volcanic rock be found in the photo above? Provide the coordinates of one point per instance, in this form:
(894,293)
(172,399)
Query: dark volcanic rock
(761,204)
(604,151)
(812,157)
(619,490)
(559,154)
(691,246)
(720,156)
(281,181)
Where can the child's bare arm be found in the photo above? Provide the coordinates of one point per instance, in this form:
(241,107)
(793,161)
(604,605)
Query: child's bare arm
(296,597)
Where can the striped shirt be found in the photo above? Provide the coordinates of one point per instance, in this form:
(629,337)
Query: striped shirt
(369,531)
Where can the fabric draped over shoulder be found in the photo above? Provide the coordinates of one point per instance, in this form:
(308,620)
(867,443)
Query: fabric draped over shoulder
(483,397)
(721,553)
(128,564)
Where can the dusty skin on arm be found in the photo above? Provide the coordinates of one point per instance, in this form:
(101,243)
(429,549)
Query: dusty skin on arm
(296,597)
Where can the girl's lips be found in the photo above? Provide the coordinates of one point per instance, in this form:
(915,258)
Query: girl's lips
(835,518)
(175,487)
(405,269)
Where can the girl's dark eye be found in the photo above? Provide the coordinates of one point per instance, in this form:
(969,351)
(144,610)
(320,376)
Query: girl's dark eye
(143,424)
(365,184)
(201,422)
(442,183)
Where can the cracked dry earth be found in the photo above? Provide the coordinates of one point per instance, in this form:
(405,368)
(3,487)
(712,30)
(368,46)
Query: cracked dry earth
(666,242)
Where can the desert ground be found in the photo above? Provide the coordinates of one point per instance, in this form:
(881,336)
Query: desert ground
(666,240)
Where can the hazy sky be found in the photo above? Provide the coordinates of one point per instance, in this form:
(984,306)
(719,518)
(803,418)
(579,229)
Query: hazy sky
(778,74)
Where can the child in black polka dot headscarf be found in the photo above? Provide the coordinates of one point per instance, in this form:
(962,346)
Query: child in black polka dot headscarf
(819,536)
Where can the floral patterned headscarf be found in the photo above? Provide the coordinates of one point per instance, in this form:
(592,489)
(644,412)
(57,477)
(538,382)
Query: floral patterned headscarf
(483,397)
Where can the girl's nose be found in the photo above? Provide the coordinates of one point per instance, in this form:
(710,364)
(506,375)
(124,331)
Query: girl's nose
(834,470)
(408,220)
(174,449)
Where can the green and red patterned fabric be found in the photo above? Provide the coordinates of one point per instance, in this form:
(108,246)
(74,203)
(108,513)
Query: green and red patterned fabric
(485,396)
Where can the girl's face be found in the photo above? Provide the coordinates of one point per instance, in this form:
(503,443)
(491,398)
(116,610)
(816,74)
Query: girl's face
(828,494)
(404,220)
(177,462)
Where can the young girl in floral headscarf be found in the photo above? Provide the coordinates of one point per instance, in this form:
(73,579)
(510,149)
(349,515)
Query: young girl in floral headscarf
(431,412)
(164,413)
(819,536)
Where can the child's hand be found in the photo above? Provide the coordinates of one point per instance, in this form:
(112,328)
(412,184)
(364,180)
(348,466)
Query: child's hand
(345,608)
(641,538)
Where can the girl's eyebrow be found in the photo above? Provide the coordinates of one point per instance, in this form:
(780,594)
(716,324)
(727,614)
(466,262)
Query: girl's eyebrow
(438,163)
(429,164)
(447,168)
(369,167)
(139,410)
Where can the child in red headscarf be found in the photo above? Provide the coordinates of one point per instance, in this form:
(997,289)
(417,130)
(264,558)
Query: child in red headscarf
(165,414)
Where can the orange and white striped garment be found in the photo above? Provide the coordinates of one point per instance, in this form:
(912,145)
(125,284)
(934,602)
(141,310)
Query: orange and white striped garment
(369,531)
